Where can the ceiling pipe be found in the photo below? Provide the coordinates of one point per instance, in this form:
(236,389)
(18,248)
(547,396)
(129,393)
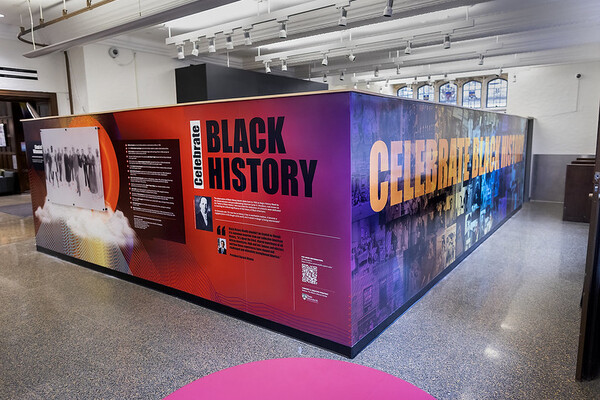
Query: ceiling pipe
(66,15)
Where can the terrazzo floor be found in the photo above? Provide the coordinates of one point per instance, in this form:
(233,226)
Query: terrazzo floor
(503,325)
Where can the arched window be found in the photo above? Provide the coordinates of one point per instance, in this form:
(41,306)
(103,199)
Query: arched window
(405,92)
(425,92)
(471,94)
(497,91)
(448,93)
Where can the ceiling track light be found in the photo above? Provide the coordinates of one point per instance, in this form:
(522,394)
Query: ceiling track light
(368,85)
(180,51)
(355,86)
(351,57)
(342,75)
(211,45)
(247,38)
(397,70)
(376,72)
(324,78)
(480,62)
(387,82)
(283,29)
(343,17)
(325,60)
(387,11)
(284,65)
(408,48)
(447,43)
(267,67)
(196,49)
(229,42)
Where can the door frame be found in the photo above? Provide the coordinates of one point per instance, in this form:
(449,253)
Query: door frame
(588,355)
(18,95)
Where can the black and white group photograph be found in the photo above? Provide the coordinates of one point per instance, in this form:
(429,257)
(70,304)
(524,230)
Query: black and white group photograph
(73,168)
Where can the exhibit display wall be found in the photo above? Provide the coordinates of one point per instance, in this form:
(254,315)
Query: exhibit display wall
(320,215)
(429,182)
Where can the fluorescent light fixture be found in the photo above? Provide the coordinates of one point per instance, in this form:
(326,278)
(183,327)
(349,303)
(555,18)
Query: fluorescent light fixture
(211,45)
(196,49)
(325,61)
(408,48)
(387,11)
(180,53)
(447,41)
(342,75)
(267,67)
(284,65)
(247,38)
(229,42)
(480,62)
(283,30)
(351,57)
(343,17)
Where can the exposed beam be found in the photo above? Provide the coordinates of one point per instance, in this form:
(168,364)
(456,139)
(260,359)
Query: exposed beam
(141,22)
(247,23)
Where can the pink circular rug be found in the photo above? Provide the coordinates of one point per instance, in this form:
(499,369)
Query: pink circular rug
(299,378)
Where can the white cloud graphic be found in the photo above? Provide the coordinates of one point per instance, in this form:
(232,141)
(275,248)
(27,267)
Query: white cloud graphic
(107,226)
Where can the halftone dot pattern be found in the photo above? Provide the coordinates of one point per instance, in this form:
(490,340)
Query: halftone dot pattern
(57,236)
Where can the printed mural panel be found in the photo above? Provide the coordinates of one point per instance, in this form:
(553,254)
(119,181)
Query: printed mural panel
(428,182)
(325,212)
(241,203)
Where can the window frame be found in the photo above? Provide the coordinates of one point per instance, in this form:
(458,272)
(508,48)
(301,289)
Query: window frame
(505,97)
(480,93)
(455,94)
(432,93)
(408,87)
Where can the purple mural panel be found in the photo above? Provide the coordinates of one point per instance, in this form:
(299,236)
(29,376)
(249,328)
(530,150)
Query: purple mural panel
(429,181)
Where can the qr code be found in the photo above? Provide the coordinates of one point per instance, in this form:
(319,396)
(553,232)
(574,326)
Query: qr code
(309,274)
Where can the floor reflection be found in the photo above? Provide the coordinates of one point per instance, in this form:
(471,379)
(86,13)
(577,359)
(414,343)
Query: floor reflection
(14,228)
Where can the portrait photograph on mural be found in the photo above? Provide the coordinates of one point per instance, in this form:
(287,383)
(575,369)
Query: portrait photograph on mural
(72,167)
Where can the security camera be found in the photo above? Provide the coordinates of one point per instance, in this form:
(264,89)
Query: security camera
(113,52)
(578,76)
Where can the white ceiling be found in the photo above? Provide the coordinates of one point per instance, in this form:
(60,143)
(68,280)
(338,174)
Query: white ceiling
(508,33)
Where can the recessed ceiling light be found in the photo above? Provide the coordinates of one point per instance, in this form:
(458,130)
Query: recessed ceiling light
(1,15)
